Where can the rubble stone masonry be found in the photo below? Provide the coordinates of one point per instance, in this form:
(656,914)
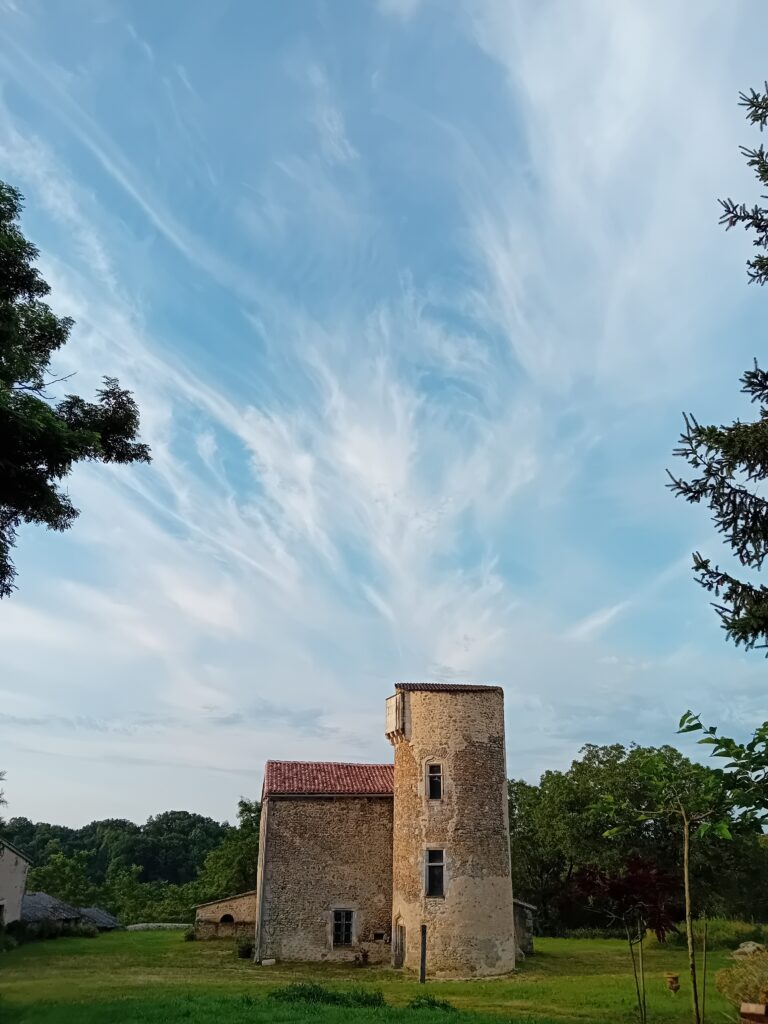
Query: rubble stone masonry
(319,854)
(470,929)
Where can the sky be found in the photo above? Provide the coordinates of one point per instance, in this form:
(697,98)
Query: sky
(412,295)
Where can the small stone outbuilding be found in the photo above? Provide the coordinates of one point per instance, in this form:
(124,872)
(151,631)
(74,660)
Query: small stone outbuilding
(231,916)
(13,881)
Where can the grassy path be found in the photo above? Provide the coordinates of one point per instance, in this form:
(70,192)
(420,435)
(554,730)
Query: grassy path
(148,977)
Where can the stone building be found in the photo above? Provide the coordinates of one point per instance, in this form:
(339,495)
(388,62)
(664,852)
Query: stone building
(354,858)
(234,915)
(13,881)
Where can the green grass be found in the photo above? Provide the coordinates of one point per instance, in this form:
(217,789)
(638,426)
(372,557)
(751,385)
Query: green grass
(153,977)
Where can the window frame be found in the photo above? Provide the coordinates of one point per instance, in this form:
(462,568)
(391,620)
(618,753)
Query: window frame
(344,925)
(432,861)
(438,775)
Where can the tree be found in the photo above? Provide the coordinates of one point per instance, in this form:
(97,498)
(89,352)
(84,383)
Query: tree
(231,867)
(746,773)
(731,462)
(694,800)
(638,897)
(557,828)
(43,440)
(66,878)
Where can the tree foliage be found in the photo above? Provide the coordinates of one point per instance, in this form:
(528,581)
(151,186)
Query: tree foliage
(152,872)
(41,440)
(558,828)
(730,462)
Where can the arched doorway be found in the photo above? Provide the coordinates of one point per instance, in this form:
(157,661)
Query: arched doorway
(226,925)
(398,944)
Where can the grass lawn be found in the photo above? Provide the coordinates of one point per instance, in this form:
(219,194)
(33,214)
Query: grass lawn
(153,977)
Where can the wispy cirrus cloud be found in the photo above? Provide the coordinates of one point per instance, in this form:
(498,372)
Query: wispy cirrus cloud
(409,347)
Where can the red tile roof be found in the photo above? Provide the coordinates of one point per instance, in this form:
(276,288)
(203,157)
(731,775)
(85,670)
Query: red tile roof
(446,687)
(327,777)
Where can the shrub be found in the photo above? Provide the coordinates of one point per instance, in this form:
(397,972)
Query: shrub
(7,942)
(429,1002)
(746,981)
(309,992)
(244,948)
(190,935)
(721,934)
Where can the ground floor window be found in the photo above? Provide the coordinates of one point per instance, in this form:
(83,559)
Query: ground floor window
(342,927)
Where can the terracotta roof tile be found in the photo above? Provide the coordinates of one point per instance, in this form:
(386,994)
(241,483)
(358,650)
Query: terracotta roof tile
(446,687)
(327,777)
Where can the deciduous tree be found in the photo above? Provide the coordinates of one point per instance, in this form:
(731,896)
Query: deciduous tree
(41,439)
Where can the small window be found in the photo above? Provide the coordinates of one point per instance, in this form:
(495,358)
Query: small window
(342,927)
(227,919)
(435,781)
(435,872)
(378,936)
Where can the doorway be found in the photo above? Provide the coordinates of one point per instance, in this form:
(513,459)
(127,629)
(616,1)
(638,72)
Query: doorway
(398,946)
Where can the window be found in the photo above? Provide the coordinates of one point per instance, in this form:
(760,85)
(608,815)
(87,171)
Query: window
(435,781)
(435,872)
(342,927)
(378,936)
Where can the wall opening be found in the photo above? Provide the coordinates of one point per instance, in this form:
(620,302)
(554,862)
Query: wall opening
(435,781)
(435,873)
(342,928)
(227,919)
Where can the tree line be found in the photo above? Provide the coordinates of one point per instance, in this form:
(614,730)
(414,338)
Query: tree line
(561,835)
(156,871)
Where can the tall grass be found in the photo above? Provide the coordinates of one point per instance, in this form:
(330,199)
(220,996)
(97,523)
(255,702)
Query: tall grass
(721,934)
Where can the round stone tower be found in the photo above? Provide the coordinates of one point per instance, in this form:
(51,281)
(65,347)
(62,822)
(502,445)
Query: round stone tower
(451,860)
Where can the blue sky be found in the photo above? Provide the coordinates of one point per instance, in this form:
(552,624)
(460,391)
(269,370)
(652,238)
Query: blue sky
(412,295)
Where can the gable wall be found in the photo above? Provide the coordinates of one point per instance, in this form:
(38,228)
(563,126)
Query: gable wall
(13,880)
(319,853)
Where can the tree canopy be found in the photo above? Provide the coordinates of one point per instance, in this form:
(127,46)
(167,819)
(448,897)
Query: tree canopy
(42,439)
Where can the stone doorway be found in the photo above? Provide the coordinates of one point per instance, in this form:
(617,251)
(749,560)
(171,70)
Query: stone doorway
(398,946)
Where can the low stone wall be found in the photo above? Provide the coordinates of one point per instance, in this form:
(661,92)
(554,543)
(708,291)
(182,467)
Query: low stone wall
(155,926)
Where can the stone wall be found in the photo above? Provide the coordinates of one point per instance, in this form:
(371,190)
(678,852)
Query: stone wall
(470,929)
(13,880)
(242,910)
(524,928)
(320,853)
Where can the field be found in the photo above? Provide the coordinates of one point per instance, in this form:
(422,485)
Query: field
(153,977)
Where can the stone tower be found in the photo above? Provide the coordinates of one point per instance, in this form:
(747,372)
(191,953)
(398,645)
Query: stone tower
(451,859)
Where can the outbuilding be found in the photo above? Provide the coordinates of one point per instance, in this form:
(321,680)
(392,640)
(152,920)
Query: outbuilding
(232,915)
(14,866)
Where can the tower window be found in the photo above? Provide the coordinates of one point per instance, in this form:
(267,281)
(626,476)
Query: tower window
(342,927)
(435,872)
(435,781)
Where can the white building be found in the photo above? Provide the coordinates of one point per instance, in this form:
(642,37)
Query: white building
(13,880)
